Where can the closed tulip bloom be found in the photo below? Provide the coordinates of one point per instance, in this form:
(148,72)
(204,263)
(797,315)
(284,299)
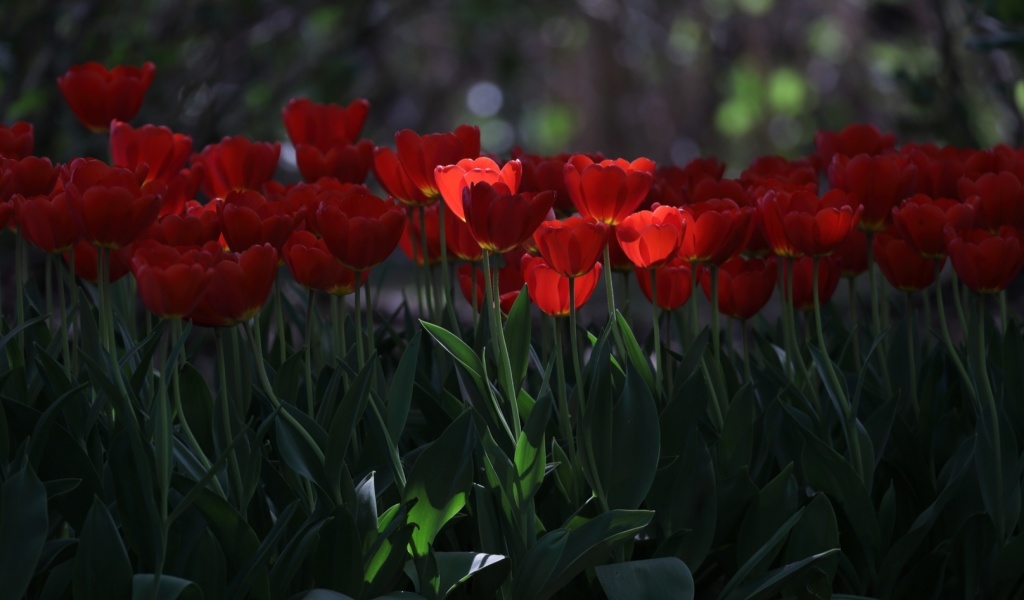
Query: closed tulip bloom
(542,173)
(238,288)
(346,162)
(829,271)
(108,204)
(818,227)
(854,139)
(170,282)
(314,267)
(29,176)
(997,200)
(46,222)
(986,262)
(87,261)
(324,125)
(673,283)
(510,283)
(550,291)
(744,285)
(407,173)
(878,183)
(500,220)
(651,238)
(97,96)
(853,254)
(248,219)
(236,164)
(164,152)
(920,221)
(771,207)
(17,140)
(905,269)
(459,239)
(413,236)
(360,229)
(197,225)
(716,230)
(571,246)
(453,179)
(610,190)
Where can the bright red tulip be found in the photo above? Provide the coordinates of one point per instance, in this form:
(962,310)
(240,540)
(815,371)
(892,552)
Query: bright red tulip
(877,182)
(236,164)
(715,230)
(324,126)
(239,287)
(412,238)
(500,220)
(17,140)
(46,222)
(921,222)
(408,172)
(571,246)
(453,179)
(987,262)
(360,229)
(673,283)
(97,96)
(610,190)
(108,204)
(905,269)
(829,271)
(314,267)
(248,219)
(170,282)
(744,285)
(550,291)
(651,238)
(818,227)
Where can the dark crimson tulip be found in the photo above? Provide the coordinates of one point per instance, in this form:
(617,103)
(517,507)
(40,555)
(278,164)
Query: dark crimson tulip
(46,221)
(550,291)
(997,200)
(500,220)
(651,238)
(170,282)
(110,207)
(692,174)
(542,173)
(776,171)
(610,190)
(164,152)
(453,179)
(852,254)
(817,227)
(235,164)
(829,271)
(510,283)
(571,246)
(744,285)
(87,257)
(412,238)
(29,176)
(673,283)
(715,230)
(712,189)
(349,163)
(905,269)
(938,168)
(238,288)
(360,229)
(997,159)
(324,126)
(530,244)
(854,139)
(97,96)
(314,267)
(17,140)
(771,207)
(459,239)
(407,173)
(920,221)
(197,225)
(987,262)
(877,182)
(248,219)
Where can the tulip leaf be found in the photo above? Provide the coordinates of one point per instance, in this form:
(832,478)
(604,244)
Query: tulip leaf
(256,566)
(146,586)
(456,568)
(343,425)
(402,385)
(460,351)
(637,357)
(440,481)
(769,510)
(23,529)
(651,579)
(816,532)
(518,328)
(768,585)
(767,550)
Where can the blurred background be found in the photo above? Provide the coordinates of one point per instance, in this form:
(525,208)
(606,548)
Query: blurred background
(667,79)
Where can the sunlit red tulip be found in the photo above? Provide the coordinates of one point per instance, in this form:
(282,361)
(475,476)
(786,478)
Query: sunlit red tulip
(987,262)
(817,227)
(571,246)
(453,179)
(744,285)
(239,287)
(673,280)
(500,220)
(314,267)
(829,271)
(610,190)
(854,139)
(87,261)
(108,204)
(877,182)
(715,230)
(324,125)
(360,229)
(651,238)
(17,140)
(236,164)
(97,96)
(921,222)
(248,219)
(46,222)
(550,291)
(905,269)
(170,282)
(407,173)
(413,237)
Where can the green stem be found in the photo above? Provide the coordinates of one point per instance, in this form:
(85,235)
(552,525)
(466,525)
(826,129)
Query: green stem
(798,357)
(564,420)
(1004,312)
(993,415)
(73,285)
(371,336)
(577,371)
(107,309)
(947,339)
(876,316)
(958,303)
(476,299)
(610,292)
(234,472)
(309,351)
(19,301)
(659,374)
(626,293)
(424,265)
(911,344)
(852,286)
(65,334)
(48,276)
(343,332)
(178,408)
(746,351)
(497,341)
(282,335)
(691,302)
(445,277)
(360,354)
(716,343)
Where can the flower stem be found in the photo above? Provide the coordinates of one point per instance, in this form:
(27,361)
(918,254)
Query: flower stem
(911,344)
(577,371)
(445,277)
(564,421)
(19,301)
(178,408)
(1004,312)
(947,339)
(746,350)
(610,293)
(658,370)
(716,340)
(282,336)
(360,355)
(234,472)
(65,334)
(852,287)
(981,363)
(309,351)
(876,316)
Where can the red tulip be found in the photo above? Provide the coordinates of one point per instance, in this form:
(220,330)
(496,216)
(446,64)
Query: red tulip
(98,96)
(673,283)
(164,152)
(803,279)
(459,239)
(920,221)
(771,208)
(817,227)
(572,246)
(197,225)
(938,169)
(715,230)
(236,164)
(877,182)
(348,163)
(610,190)
(500,220)
(776,171)
(29,176)
(453,179)
(46,222)
(170,282)
(108,204)
(87,261)
(711,189)
(248,219)
(997,159)
(550,291)
(854,139)
(986,261)
(360,229)
(651,238)
(314,267)
(17,140)
(744,286)
(510,283)
(408,173)
(542,173)
(412,238)
(239,286)
(692,175)
(905,269)
(997,199)
(853,254)
(324,126)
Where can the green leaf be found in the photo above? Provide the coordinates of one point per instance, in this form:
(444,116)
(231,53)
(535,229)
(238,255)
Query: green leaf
(816,532)
(23,528)
(145,586)
(343,425)
(736,444)
(772,507)
(460,352)
(768,549)
(440,481)
(770,583)
(637,357)
(102,568)
(298,452)
(131,469)
(257,563)
(652,579)
(531,455)
(289,377)
(456,568)
(518,328)
(402,385)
